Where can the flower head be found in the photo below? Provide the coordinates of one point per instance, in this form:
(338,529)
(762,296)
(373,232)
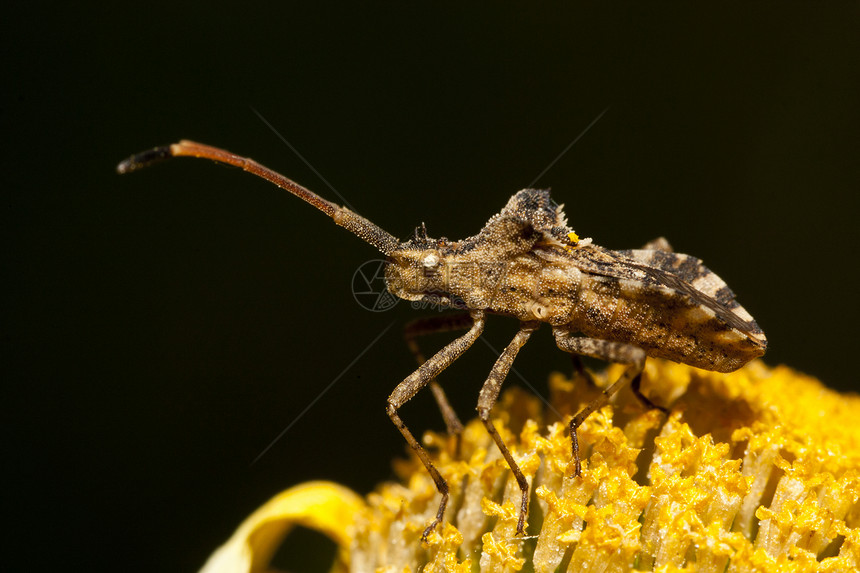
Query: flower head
(756,470)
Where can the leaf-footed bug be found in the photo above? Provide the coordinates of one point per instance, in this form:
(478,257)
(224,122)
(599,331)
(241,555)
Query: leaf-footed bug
(526,263)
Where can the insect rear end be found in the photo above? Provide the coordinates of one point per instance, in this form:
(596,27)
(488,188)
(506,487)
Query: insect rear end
(649,298)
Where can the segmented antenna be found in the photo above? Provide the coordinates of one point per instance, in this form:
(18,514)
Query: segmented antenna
(368,231)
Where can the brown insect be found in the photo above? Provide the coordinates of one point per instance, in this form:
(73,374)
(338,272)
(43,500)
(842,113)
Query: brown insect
(618,306)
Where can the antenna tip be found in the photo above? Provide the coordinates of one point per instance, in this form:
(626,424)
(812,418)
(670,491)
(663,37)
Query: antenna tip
(144,159)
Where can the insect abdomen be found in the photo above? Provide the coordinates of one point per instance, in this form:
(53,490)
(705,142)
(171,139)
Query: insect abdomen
(662,322)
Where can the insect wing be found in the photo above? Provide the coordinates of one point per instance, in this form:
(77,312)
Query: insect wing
(682,274)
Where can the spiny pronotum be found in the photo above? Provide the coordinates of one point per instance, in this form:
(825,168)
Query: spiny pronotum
(526,263)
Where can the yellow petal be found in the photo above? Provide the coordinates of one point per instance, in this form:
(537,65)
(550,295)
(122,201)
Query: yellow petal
(323,506)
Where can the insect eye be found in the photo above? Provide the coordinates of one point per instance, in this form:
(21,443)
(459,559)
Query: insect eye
(431,260)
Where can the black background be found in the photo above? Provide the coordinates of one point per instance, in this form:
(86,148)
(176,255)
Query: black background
(162,328)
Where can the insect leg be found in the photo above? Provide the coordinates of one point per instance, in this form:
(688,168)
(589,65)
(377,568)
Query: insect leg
(486,400)
(637,382)
(606,350)
(579,369)
(415,382)
(431,325)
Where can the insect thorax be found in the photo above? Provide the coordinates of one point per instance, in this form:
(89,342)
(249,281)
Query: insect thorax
(499,269)
(531,286)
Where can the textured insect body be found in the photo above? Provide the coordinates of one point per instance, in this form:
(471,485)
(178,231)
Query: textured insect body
(500,269)
(526,263)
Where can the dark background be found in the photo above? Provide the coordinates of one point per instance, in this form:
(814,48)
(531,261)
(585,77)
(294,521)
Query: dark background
(162,328)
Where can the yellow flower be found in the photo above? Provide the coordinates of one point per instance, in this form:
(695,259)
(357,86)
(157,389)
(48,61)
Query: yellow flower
(757,470)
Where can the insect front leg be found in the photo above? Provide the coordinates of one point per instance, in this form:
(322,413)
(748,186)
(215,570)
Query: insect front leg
(415,382)
(609,351)
(432,325)
(486,400)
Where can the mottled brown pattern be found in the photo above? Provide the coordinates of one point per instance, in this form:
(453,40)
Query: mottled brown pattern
(620,306)
(522,265)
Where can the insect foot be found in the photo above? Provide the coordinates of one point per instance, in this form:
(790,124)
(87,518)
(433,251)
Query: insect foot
(526,263)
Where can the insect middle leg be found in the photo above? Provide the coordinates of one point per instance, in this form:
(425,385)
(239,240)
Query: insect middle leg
(432,325)
(609,351)
(415,382)
(486,400)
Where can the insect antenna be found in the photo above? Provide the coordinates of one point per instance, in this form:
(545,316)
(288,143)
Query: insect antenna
(365,229)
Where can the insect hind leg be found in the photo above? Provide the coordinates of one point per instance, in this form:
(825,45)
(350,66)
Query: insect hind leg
(635,387)
(609,351)
(580,370)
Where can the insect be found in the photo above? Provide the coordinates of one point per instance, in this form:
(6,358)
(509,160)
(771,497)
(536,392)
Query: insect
(526,263)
